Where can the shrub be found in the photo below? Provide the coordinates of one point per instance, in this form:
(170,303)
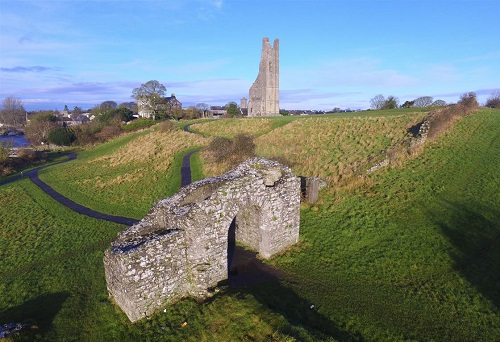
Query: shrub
(468,101)
(138,124)
(4,152)
(494,100)
(232,152)
(108,133)
(390,103)
(61,136)
(167,127)
(116,114)
(85,134)
(441,120)
(26,154)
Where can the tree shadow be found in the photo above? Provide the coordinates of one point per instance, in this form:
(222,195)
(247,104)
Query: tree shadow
(477,239)
(36,313)
(250,276)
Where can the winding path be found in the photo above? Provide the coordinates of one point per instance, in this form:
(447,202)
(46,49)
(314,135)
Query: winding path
(245,270)
(33,176)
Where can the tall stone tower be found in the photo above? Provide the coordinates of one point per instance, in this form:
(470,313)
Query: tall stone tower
(264,93)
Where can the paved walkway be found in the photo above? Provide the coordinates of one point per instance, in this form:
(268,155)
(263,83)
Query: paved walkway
(186,163)
(33,176)
(77,207)
(245,270)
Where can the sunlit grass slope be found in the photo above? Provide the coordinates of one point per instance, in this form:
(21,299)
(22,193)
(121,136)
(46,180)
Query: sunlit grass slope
(51,271)
(52,276)
(411,253)
(333,148)
(327,146)
(127,175)
(414,253)
(228,128)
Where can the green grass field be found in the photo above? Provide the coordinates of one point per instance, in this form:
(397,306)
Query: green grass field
(409,253)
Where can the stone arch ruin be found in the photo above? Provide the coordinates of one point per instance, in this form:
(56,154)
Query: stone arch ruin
(181,247)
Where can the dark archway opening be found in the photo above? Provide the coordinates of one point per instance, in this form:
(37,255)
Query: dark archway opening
(232,269)
(243,266)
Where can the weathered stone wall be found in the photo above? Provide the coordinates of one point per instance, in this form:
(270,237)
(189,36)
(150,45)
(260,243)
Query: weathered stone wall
(264,93)
(180,247)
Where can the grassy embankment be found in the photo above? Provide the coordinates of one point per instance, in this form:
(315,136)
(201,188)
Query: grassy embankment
(410,252)
(127,175)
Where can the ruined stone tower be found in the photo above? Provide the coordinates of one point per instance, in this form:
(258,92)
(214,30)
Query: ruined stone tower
(264,93)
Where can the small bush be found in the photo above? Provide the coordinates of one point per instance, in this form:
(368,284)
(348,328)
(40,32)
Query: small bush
(138,124)
(61,136)
(494,100)
(232,152)
(468,102)
(167,127)
(26,154)
(4,152)
(441,120)
(108,133)
(85,134)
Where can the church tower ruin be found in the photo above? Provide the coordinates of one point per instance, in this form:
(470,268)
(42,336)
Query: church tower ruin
(264,93)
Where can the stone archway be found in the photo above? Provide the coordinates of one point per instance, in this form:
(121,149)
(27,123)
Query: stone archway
(245,229)
(180,248)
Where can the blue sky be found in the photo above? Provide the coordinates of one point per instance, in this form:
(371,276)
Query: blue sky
(332,53)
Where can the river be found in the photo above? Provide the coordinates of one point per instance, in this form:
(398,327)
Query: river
(14,140)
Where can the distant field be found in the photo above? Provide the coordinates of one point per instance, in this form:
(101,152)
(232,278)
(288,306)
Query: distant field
(410,253)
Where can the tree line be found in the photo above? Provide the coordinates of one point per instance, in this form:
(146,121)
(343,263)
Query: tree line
(392,102)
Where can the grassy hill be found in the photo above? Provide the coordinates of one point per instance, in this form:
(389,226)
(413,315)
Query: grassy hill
(409,252)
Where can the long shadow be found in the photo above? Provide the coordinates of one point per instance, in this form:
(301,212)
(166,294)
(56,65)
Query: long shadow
(36,313)
(477,239)
(250,276)
(300,314)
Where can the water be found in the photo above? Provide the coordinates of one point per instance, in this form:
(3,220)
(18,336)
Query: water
(14,141)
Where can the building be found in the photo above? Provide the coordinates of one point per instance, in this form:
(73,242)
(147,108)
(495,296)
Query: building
(264,93)
(164,106)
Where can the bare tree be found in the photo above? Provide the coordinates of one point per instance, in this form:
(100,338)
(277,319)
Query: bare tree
(203,108)
(377,102)
(13,113)
(439,103)
(40,125)
(424,101)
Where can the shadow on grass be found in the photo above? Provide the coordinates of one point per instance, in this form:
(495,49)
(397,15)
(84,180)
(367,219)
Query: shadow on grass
(299,313)
(250,276)
(38,312)
(477,240)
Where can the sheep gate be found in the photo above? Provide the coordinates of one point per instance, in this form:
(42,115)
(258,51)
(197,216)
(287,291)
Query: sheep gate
(180,248)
